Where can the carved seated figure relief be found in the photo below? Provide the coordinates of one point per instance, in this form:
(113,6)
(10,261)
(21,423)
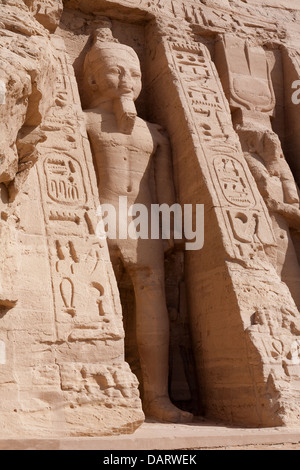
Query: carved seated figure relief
(246,77)
(276,184)
(124,148)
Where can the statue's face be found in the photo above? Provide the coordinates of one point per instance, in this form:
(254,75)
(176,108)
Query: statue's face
(118,74)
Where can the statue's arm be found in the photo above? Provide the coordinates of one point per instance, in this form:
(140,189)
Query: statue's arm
(291,213)
(261,175)
(92,126)
(163,168)
(264,182)
(164,178)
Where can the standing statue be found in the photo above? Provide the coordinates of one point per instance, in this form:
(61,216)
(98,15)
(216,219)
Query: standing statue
(125,147)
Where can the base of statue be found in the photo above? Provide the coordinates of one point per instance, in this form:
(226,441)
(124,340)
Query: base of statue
(202,435)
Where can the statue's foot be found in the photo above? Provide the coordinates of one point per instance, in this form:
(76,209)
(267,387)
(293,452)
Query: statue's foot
(162,409)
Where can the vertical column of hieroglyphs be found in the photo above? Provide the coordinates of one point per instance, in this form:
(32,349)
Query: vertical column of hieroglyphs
(231,281)
(240,206)
(89,332)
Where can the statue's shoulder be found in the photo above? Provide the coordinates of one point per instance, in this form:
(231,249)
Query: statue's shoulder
(93,117)
(159,134)
(92,114)
(154,129)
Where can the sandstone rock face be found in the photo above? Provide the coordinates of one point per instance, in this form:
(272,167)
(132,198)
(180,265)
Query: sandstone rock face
(185,101)
(62,354)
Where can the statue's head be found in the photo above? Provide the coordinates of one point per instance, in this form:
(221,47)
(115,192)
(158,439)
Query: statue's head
(113,74)
(113,70)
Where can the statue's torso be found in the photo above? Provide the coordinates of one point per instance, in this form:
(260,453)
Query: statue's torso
(122,161)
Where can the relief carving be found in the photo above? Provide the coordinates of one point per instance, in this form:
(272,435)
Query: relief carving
(233,181)
(64,180)
(124,147)
(247,79)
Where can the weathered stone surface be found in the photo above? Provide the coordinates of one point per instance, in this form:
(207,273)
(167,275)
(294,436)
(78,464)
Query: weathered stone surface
(47,12)
(62,361)
(81,84)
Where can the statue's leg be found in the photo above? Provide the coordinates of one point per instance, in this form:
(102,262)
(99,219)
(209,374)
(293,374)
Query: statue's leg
(152,325)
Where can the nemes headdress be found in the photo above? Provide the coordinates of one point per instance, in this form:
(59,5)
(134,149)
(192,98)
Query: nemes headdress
(103,41)
(103,45)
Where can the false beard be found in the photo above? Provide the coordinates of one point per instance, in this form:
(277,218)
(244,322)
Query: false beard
(126,114)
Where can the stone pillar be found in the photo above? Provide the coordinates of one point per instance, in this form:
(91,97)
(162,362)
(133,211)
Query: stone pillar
(62,366)
(242,315)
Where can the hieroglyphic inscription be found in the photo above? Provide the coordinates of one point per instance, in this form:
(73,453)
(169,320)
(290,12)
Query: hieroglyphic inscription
(233,182)
(82,294)
(212,20)
(210,109)
(64,180)
(223,155)
(67,257)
